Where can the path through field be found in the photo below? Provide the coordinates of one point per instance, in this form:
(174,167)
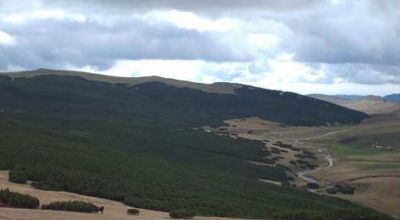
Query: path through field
(325,135)
(304,174)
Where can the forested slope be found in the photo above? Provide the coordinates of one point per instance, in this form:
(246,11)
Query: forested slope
(139,144)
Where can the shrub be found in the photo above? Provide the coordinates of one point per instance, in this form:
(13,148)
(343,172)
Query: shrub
(305,155)
(347,214)
(280,144)
(296,149)
(181,213)
(284,167)
(309,154)
(133,211)
(305,164)
(344,189)
(265,152)
(276,158)
(268,160)
(18,200)
(311,166)
(275,150)
(313,185)
(73,206)
(301,161)
(348,140)
(17,177)
(331,190)
(297,215)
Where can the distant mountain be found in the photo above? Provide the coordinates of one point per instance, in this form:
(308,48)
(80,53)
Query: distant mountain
(368,104)
(350,97)
(338,100)
(392,98)
(346,97)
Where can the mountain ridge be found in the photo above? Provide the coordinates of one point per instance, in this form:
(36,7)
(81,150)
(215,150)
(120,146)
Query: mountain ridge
(217,87)
(221,101)
(369,104)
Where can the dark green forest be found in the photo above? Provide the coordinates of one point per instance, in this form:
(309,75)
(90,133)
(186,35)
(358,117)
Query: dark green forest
(71,206)
(18,200)
(140,145)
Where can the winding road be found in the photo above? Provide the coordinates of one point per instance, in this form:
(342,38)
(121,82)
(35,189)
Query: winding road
(326,134)
(304,174)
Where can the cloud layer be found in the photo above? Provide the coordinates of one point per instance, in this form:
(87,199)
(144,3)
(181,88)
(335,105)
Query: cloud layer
(291,45)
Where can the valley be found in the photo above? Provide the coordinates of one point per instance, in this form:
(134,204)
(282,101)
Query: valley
(158,146)
(365,157)
(203,110)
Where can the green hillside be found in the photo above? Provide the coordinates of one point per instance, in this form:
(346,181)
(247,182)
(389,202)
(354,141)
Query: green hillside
(139,144)
(165,100)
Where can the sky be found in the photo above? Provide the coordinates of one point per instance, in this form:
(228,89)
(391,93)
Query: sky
(304,46)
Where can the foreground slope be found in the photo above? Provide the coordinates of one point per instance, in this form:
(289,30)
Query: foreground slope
(139,144)
(113,210)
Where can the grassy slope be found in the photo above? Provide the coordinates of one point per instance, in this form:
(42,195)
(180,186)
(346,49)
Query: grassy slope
(355,157)
(359,141)
(95,139)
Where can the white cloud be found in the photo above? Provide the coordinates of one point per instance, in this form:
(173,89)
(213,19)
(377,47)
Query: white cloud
(6,39)
(191,21)
(178,69)
(190,70)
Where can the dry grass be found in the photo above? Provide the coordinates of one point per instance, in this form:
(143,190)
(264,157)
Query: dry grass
(262,129)
(381,193)
(378,193)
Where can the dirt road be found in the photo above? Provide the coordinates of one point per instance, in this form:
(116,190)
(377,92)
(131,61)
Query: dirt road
(304,174)
(325,135)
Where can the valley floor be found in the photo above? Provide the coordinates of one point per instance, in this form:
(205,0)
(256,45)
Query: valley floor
(373,171)
(113,210)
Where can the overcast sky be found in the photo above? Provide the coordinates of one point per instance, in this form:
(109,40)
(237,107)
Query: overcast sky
(306,46)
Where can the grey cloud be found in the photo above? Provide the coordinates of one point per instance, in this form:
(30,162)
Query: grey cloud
(220,6)
(356,41)
(358,73)
(59,43)
(354,32)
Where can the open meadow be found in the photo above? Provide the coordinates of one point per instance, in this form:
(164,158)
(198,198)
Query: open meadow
(366,157)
